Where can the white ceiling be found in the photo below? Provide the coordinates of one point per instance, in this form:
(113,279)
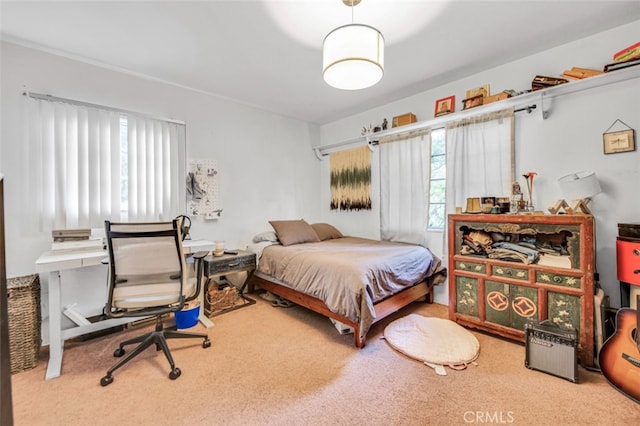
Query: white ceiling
(268,53)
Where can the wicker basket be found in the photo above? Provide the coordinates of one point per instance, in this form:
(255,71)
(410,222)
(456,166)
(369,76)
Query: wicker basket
(24,321)
(220,299)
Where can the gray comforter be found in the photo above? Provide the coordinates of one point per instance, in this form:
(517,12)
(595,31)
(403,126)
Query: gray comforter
(349,274)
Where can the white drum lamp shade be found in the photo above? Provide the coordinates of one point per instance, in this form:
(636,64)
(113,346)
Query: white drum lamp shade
(580,185)
(353,57)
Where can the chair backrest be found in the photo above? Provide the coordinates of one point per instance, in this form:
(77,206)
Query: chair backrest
(147,269)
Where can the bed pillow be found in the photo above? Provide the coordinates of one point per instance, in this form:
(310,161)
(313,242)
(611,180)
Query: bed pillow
(326,231)
(291,232)
(266,236)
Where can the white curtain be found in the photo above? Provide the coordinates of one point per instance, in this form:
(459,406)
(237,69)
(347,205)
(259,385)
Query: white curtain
(74,178)
(404,187)
(479,158)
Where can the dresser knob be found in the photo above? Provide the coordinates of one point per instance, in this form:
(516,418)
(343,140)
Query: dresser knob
(636,252)
(637,271)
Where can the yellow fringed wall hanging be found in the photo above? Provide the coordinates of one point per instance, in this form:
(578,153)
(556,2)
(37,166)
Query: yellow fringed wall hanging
(351,179)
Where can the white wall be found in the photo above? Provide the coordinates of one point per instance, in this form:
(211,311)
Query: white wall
(265,161)
(569,140)
(267,168)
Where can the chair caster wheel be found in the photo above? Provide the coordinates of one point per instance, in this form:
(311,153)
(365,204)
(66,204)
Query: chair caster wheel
(206,344)
(106,380)
(118,352)
(175,373)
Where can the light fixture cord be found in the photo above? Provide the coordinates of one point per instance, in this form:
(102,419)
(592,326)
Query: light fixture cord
(351,12)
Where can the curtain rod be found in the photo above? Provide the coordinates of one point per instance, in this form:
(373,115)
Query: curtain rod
(51,98)
(372,139)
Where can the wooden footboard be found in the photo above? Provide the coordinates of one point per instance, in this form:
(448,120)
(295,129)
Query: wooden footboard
(383,309)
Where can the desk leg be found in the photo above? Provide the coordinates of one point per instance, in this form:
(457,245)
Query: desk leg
(203,317)
(56,344)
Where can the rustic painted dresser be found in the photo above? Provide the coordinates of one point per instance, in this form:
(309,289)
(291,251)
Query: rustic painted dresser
(542,270)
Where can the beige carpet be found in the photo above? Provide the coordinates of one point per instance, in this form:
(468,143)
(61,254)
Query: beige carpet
(288,366)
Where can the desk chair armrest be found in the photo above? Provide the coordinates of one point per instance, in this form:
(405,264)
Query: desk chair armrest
(199,269)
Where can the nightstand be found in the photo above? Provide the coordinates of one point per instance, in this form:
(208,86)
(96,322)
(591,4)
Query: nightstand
(227,296)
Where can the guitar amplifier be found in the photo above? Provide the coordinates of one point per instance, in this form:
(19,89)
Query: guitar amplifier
(551,350)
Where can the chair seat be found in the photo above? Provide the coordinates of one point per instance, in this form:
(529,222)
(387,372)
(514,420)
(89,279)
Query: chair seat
(132,296)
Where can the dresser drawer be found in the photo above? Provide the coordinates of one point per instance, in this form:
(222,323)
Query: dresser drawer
(214,265)
(557,279)
(628,255)
(508,272)
(479,268)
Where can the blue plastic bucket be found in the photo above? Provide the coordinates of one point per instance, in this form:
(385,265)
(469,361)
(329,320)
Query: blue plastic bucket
(187,318)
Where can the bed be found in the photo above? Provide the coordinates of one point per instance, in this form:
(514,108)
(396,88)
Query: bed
(355,281)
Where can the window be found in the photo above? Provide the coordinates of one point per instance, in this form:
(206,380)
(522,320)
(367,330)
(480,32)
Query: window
(91,163)
(438,180)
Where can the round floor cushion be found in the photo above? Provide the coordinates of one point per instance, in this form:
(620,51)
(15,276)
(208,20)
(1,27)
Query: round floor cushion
(435,341)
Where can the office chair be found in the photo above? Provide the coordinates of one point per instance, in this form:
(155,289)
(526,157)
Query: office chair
(148,277)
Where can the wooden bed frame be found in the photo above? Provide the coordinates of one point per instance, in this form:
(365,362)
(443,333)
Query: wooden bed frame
(383,308)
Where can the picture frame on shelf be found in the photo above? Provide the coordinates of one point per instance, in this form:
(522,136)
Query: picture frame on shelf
(620,141)
(478,91)
(445,106)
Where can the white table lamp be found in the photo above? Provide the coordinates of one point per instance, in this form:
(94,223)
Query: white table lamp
(579,187)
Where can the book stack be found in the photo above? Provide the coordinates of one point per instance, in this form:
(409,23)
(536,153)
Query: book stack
(76,239)
(577,73)
(628,53)
(627,57)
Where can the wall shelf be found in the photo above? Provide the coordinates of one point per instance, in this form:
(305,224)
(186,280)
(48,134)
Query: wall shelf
(540,99)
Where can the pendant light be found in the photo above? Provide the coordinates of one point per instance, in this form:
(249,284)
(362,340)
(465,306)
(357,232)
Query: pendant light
(353,55)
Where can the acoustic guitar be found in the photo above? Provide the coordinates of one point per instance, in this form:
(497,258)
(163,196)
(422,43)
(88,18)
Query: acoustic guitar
(620,355)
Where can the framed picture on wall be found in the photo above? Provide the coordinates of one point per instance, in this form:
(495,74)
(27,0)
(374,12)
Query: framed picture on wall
(445,106)
(622,141)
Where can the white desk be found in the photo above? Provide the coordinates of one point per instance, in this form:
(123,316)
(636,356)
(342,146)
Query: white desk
(55,261)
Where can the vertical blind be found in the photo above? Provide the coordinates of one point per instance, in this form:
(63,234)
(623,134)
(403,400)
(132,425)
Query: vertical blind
(82,173)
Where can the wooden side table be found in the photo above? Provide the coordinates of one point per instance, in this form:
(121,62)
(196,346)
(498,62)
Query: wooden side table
(219,266)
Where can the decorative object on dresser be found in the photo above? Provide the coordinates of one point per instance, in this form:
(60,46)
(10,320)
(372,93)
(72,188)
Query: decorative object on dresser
(505,270)
(528,180)
(579,188)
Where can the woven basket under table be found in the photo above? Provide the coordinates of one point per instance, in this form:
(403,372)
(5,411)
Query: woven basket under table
(220,299)
(24,321)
